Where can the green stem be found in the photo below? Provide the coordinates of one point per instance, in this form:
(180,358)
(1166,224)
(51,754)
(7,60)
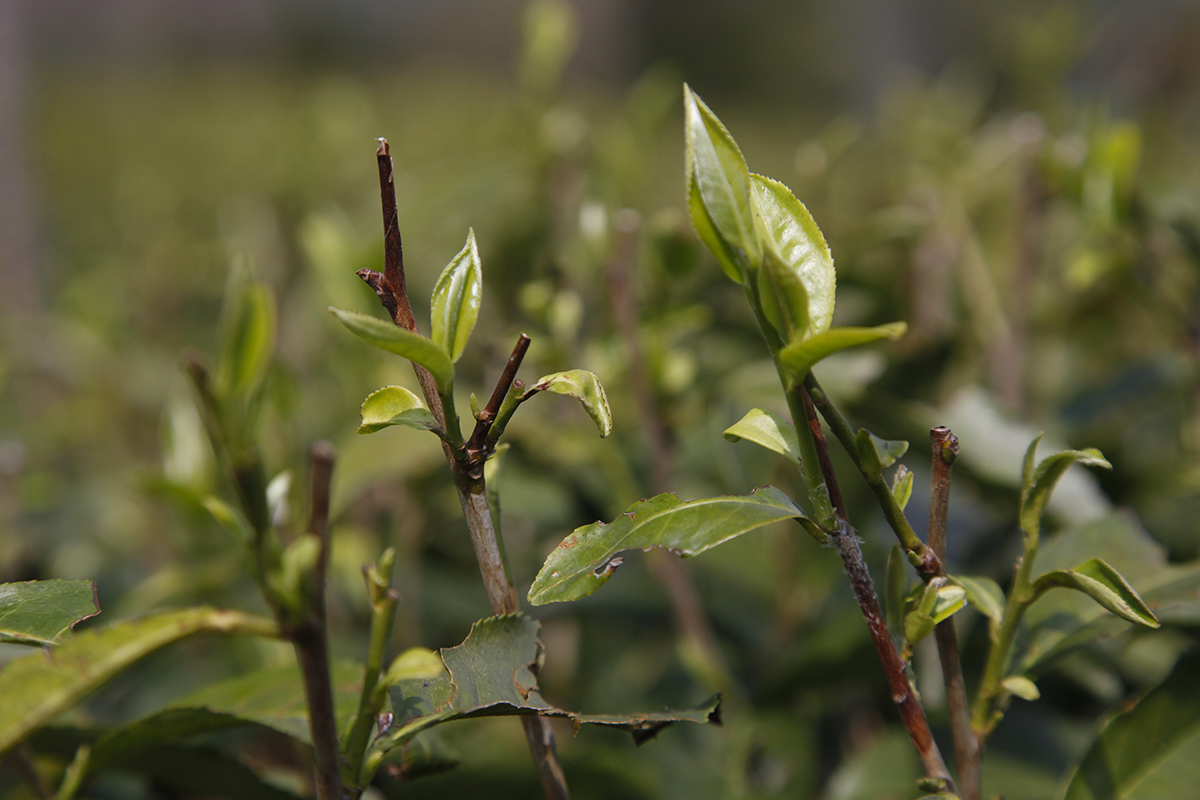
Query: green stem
(991,698)
(383,615)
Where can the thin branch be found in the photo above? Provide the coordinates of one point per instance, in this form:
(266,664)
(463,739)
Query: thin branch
(966,743)
(310,638)
(468,476)
(479,437)
(911,711)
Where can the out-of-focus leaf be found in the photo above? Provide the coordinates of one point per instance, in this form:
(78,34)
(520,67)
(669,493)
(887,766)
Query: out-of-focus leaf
(768,429)
(983,593)
(586,559)
(895,587)
(584,387)
(551,29)
(902,486)
(40,686)
(456,299)
(1022,687)
(1103,584)
(1150,751)
(719,189)
(800,357)
(803,281)
(1039,483)
(413,346)
(395,405)
(41,612)
(490,674)
(247,339)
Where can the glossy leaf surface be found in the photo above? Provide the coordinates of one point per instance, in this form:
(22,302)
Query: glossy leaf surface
(413,346)
(800,357)
(768,429)
(586,559)
(38,687)
(456,299)
(584,387)
(490,674)
(797,265)
(1103,584)
(395,405)
(718,189)
(1151,751)
(42,612)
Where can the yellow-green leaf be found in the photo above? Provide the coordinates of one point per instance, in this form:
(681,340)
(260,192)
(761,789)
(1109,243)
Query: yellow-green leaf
(413,346)
(800,357)
(395,405)
(768,429)
(456,299)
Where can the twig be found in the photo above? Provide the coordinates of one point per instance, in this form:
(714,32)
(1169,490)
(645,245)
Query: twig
(966,743)
(310,638)
(479,442)
(468,476)
(667,567)
(911,711)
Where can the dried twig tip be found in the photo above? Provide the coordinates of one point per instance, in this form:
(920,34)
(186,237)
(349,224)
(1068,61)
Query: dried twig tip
(383,147)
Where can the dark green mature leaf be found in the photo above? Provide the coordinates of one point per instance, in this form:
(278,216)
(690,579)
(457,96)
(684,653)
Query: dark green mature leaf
(800,357)
(719,189)
(1039,483)
(1103,584)
(395,405)
(413,346)
(456,299)
(490,674)
(797,280)
(1151,751)
(40,612)
(584,387)
(586,559)
(40,686)
(768,429)
(247,338)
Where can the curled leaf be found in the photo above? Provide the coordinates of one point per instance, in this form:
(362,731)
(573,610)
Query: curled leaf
(413,346)
(1022,687)
(395,405)
(902,486)
(584,387)
(456,299)
(1038,484)
(1103,584)
(768,429)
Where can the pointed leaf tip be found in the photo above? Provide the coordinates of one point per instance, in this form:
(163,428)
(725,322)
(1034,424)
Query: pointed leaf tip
(413,346)
(767,429)
(457,297)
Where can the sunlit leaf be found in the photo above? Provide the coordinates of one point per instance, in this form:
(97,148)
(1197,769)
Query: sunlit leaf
(586,559)
(491,674)
(1103,584)
(456,299)
(800,357)
(38,687)
(768,429)
(41,612)
(803,280)
(584,387)
(395,405)
(718,188)
(1039,483)
(1151,751)
(413,346)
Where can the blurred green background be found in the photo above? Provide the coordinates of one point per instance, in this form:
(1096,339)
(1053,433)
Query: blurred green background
(1017,181)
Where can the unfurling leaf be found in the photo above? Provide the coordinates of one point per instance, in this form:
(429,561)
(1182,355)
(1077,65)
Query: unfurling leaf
(456,299)
(800,357)
(902,486)
(768,429)
(1037,484)
(796,282)
(1103,584)
(247,338)
(719,190)
(41,612)
(585,560)
(584,387)
(491,674)
(877,454)
(395,405)
(413,346)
